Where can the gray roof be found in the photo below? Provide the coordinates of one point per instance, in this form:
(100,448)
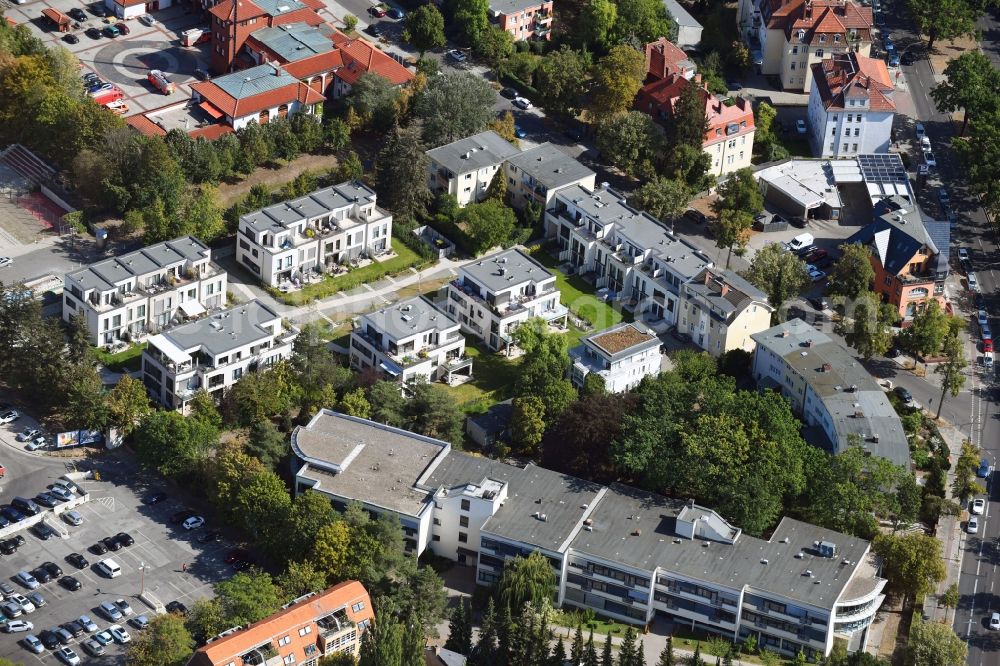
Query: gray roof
(496,419)
(103,275)
(510,7)
(639,529)
(833,372)
(550,166)
(473,153)
(680,15)
(517,268)
(279,7)
(531,490)
(294,41)
(409,317)
(254,81)
(739,293)
(899,230)
(225,331)
(370,462)
(278,216)
(621,341)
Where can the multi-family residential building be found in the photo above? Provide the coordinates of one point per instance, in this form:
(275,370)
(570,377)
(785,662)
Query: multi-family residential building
(213,353)
(636,259)
(410,339)
(721,311)
(851,106)
(259,94)
(465,168)
(787,37)
(523,19)
(831,391)
(910,255)
(536,174)
(127,297)
(497,293)
(328,227)
(623,553)
(730,123)
(305,630)
(688,28)
(621,355)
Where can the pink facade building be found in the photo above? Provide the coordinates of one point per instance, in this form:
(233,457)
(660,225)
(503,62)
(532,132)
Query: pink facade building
(524,19)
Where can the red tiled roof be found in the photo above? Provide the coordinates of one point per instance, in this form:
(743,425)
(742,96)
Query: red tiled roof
(361,56)
(304,15)
(663,58)
(239,108)
(246,10)
(315,5)
(144,125)
(825,17)
(211,132)
(663,94)
(853,75)
(317,64)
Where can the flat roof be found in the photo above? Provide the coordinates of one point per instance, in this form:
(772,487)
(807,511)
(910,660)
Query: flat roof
(680,15)
(105,274)
(225,331)
(473,152)
(369,462)
(505,269)
(621,340)
(550,166)
(531,490)
(509,7)
(809,182)
(409,317)
(856,403)
(295,41)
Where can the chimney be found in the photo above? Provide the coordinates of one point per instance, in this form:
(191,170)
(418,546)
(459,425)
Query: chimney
(697,79)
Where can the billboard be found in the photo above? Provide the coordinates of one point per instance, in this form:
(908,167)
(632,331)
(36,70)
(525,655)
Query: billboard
(65,440)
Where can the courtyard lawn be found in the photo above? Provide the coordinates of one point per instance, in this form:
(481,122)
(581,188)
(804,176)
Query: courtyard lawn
(493,377)
(128,360)
(579,297)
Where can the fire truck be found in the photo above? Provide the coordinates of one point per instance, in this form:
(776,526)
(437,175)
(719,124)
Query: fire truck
(160,80)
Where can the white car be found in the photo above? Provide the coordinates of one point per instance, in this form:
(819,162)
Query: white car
(9,416)
(104,637)
(978,506)
(23,602)
(5,262)
(26,579)
(32,644)
(929,159)
(921,132)
(147,20)
(119,633)
(36,443)
(457,55)
(17,626)
(973,525)
(925,143)
(973,281)
(995,621)
(800,126)
(193,523)
(67,656)
(963,254)
(73,518)
(521,103)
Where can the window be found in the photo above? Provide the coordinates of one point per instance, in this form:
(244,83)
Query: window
(360,606)
(290,659)
(835,117)
(836,39)
(465,505)
(437,521)
(305,631)
(819,52)
(436,537)
(857,131)
(463,537)
(888,279)
(844,148)
(463,521)
(795,50)
(854,147)
(284,640)
(793,67)
(822,38)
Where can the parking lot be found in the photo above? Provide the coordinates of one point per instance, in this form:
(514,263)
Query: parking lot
(127,59)
(166,562)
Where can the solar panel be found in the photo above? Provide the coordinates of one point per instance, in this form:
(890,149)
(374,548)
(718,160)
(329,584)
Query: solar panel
(882,168)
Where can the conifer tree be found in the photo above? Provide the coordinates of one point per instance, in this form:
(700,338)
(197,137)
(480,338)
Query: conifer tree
(558,657)
(459,631)
(576,649)
(607,658)
(667,656)
(590,652)
(506,632)
(728,659)
(627,652)
(696,657)
(485,652)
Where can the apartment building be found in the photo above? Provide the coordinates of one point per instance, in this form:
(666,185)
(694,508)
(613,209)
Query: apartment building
(213,353)
(910,255)
(233,21)
(496,294)
(127,297)
(787,37)
(621,355)
(410,339)
(536,174)
(313,234)
(305,630)
(640,262)
(831,391)
(465,168)
(851,106)
(623,553)
(523,19)
(721,311)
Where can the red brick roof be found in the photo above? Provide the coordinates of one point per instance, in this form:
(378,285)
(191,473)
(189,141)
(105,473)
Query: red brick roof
(317,64)
(239,108)
(848,76)
(361,56)
(664,58)
(144,125)
(211,132)
(246,9)
(821,17)
(658,100)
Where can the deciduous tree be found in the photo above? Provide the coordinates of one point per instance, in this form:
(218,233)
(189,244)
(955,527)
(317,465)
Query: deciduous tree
(375,100)
(926,335)
(560,78)
(731,229)
(495,46)
(970,84)
(488,224)
(527,579)
(934,644)
(964,485)
(164,642)
(852,274)
(618,76)
(912,562)
(454,106)
(663,198)
(127,405)
(946,19)
(643,21)
(471,20)
(597,22)
(527,424)
(248,597)
(779,274)
(631,141)
(425,29)
(870,332)
(952,377)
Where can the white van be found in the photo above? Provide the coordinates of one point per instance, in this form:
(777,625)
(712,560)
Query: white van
(109,568)
(801,241)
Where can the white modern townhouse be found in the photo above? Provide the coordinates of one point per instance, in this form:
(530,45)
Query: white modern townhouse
(497,293)
(535,175)
(851,106)
(720,311)
(288,241)
(831,391)
(125,298)
(410,339)
(465,168)
(213,353)
(627,252)
(623,553)
(621,355)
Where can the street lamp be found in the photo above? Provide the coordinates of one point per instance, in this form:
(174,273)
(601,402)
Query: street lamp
(142,578)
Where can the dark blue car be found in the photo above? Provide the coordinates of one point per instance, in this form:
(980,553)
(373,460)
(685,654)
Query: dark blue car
(12,514)
(984,469)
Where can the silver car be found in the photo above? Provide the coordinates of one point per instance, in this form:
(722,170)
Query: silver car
(110,611)
(32,644)
(26,579)
(73,518)
(68,656)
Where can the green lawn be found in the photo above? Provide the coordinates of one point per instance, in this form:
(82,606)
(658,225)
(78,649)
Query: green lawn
(129,360)
(493,377)
(797,147)
(579,296)
(328,286)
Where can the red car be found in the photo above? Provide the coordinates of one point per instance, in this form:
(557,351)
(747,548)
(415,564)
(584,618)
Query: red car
(378,11)
(987,346)
(122,27)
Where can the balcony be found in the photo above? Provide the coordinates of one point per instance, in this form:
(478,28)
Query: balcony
(261,655)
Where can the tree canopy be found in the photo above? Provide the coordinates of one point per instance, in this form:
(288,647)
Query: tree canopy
(779,274)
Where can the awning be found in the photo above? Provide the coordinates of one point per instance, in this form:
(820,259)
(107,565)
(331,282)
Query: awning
(192,308)
(169,349)
(391,368)
(208,108)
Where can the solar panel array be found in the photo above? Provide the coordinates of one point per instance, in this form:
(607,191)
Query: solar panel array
(882,168)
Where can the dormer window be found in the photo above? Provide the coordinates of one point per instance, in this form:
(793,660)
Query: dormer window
(822,39)
(802,35)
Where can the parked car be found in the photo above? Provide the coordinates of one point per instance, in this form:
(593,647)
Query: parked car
(77,560)
(73,518)
(18,626)
(104,637)
(49,639)
(35,444)
(111,31)
(147,20)
(77,14)
(32,644)
(984,468)
(972,527)
(123,607)
(71,583)
(995,621)
(36,599)
(920,130)
(522,103)
(154,498)
(177,607)
(210,536)
(397,13)
(696,216)
(123,27)
(26,604)
(800,126)
(124,538)
(110,611)
(43,531)
(929,159)
(11,609)
(93,648)
(53,569)
(978,506)
(68,656)
(907,58)
(457,55)
(12,514)
(28,433)
(9,416)
(111,543)
(93,33)
(903,395)
(73,627)
(61,492)
(27,580)
(119,633)
(377,11)
(98,548)
(140,622)
(5,262)
(193,523)
(970,277)
(88,625)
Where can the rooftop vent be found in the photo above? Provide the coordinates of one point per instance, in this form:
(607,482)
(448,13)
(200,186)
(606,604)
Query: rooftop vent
(763,560)
(828,368)
(808,573)
(799,555)
(637,532)
(588,528)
